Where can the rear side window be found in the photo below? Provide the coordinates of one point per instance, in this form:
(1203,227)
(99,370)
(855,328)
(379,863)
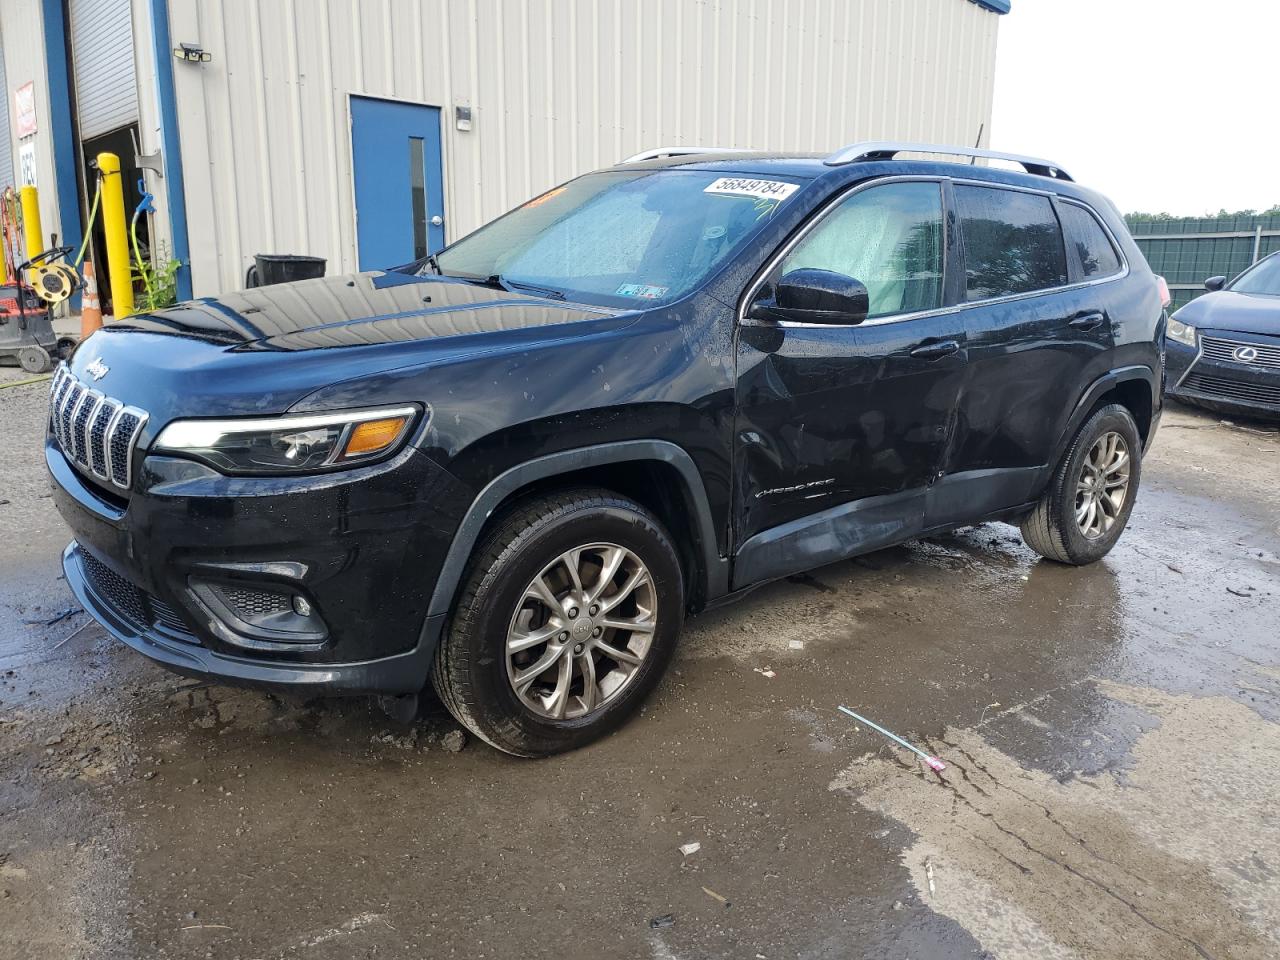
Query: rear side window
(1012,242)
(1098,258)
(888,237)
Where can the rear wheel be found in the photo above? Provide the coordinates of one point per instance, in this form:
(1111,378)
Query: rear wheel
(567,619)
(1082,514)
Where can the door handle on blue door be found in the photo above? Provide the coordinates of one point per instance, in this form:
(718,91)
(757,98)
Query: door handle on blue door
(936,350)
(1086,321)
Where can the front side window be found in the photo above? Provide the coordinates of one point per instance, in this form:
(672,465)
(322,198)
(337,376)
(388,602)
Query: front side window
(1098,258)
(1012,242)
(1262,279)
(890,238)
(621,238)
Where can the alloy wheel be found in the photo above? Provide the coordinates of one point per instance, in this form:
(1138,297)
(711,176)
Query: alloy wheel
(581,631)
(1103,485)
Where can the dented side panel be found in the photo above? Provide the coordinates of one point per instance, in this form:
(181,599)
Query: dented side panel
(832,414)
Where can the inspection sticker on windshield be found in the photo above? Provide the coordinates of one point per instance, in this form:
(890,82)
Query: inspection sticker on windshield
(642,290)
(745,187)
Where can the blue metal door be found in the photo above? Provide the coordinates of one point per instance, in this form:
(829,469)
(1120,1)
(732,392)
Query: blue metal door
(399,186)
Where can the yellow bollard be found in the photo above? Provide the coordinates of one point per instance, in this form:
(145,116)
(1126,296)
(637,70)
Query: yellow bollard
(31,221)
(115,227)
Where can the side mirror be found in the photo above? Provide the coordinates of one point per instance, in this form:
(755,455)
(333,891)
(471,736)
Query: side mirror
(1215,283)
(816,296)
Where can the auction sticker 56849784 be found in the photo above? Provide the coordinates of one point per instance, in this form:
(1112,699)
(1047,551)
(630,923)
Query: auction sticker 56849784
(749,187)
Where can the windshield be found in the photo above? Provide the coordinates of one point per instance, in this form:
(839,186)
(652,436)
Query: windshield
(1264,278)
(633,238)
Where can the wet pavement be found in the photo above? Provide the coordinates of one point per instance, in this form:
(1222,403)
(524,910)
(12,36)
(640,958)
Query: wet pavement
(1110,733)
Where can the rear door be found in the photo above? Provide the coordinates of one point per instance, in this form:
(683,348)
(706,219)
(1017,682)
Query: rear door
(840,429)
(1038,332)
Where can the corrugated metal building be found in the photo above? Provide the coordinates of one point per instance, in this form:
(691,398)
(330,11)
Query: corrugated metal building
(351,129)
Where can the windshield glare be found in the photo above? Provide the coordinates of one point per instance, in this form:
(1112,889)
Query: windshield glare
(633,238)
(1264,279)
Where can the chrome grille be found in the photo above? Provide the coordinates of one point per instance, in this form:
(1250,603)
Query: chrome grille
(93,430)
(1217,348)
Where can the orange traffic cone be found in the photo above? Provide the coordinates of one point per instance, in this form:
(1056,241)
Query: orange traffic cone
(90,306)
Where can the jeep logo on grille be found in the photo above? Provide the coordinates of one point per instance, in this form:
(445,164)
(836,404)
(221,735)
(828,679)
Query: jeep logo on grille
(1245,354)
(97,369)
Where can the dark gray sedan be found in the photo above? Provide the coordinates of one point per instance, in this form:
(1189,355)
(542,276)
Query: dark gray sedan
(1224,348)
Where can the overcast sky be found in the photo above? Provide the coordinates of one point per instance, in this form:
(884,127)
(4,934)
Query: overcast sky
(1163,105)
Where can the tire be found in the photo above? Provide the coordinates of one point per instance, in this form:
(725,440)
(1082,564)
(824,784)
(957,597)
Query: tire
(486,686)
(34,359)
(1053,528)
(65,347)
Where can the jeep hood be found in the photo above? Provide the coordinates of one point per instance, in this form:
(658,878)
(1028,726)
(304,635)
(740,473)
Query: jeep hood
(355,310)
(1238,312)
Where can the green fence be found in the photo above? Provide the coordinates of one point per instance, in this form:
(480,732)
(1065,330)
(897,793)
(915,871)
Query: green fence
(1187,251)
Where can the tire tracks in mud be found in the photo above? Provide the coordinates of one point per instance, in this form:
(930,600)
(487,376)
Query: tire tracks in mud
(1074,863)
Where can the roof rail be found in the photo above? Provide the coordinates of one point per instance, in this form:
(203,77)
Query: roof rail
(677,152)
(887,150)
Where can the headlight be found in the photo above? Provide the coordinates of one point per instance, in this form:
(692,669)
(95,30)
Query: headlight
(289,444)
(1182,332)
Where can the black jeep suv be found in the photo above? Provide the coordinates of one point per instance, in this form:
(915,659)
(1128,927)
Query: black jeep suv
(512,469)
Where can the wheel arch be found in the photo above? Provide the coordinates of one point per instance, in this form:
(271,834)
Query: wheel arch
(1137,388)
(628,467)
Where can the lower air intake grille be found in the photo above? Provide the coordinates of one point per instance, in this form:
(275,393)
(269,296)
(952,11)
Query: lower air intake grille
(132,603)
(123,596)
(1233,389)
(253,605)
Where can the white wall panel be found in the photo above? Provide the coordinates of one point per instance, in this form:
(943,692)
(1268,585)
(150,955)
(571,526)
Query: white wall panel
(22,33)
(6,134)
(557,87)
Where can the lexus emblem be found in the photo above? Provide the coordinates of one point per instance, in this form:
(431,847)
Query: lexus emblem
(1245,354)
(97,369)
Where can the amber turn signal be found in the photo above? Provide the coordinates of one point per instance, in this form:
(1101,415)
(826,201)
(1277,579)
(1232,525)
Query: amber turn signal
(373,436)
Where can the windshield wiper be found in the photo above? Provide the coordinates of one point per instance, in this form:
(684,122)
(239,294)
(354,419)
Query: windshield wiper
(434,264)
(499,282)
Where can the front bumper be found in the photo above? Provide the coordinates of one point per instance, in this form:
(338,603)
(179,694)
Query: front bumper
(1227,386)
(396,674)
(364,547)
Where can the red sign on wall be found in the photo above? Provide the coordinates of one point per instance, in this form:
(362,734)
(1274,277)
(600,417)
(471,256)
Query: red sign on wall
(24,101)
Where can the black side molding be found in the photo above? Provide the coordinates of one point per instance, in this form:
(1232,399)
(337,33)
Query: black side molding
(844,530)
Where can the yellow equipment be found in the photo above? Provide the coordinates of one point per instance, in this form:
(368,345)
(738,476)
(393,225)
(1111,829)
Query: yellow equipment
(30,200)
(115,227)
(53,282)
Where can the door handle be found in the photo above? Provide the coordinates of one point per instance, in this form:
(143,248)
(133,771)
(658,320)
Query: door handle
(437,221)
(935,351)
(1086,321)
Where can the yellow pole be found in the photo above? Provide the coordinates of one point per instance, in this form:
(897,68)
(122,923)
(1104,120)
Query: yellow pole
(115,227)
(31,221)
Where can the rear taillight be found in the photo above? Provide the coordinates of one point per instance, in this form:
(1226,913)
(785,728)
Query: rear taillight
(1163,287)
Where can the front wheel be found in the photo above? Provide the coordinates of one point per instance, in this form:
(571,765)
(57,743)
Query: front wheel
(1082,514)
(567,619)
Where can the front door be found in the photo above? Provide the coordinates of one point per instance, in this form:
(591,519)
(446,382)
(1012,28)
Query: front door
(399,187)
(841,429)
